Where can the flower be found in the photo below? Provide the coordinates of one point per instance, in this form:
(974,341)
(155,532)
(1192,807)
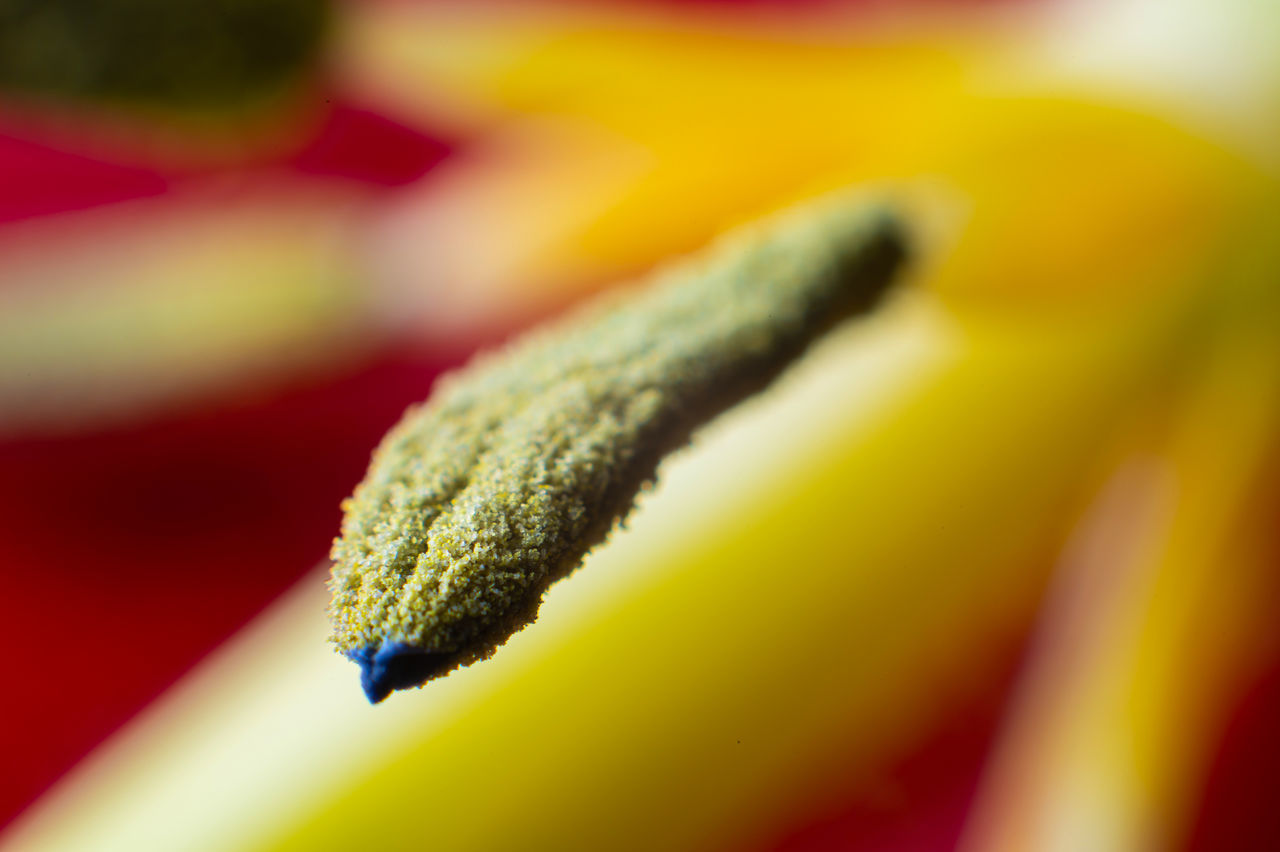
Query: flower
(1051,460)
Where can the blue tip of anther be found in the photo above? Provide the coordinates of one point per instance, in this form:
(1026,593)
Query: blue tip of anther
(392,666)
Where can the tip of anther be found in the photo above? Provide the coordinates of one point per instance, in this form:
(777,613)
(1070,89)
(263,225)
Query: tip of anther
(395,665)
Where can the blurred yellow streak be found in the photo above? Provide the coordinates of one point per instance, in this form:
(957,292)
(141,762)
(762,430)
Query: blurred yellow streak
(668,135)
(1158,624)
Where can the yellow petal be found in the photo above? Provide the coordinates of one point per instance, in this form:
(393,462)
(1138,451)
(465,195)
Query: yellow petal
(1162,613)
(756,628)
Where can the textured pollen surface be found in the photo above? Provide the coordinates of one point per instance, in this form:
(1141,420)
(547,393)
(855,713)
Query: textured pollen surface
(523,460)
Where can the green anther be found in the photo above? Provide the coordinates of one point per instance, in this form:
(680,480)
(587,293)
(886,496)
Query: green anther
(522,461)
